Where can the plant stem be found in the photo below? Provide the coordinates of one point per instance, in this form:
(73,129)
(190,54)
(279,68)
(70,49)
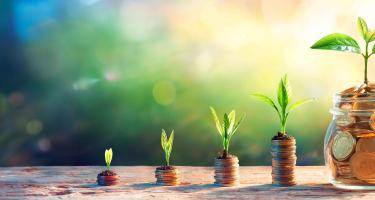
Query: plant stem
(167,158)
(283,122)
(225,153)
(366,56)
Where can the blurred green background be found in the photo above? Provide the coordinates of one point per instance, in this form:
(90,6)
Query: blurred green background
(80,76)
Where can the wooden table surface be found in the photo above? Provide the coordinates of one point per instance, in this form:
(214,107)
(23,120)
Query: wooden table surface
(137,182)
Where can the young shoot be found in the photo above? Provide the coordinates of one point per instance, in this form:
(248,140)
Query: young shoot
(108,157)
(343,42)
(227,128)
(284,107)
(167,145)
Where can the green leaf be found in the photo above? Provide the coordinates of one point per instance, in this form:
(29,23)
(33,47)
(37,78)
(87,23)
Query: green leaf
(266,100)
(238,124)
(217,121)
(232,120)
(362,28)
(370,36)
(338,42)
(282,94)
(232,116)
(373,49)
(170,142)
(298,104)
(226,125)
(163,139)
(167,144)
(108,157)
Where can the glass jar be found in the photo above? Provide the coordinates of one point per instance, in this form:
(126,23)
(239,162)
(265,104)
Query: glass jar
(349,144)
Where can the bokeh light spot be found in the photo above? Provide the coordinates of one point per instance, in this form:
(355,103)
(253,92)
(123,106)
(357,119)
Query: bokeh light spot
(84,83)
(34,127)
(111,76)
(44,145)
(16,98)
(164,92)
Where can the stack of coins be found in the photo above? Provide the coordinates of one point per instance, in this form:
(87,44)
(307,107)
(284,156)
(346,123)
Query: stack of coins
(108,180)
(350,152)
(227,171)
(284,159)
(167,176)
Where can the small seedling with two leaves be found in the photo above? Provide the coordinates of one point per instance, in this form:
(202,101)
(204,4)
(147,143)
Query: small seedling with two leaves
(227,128)
(108,157)
(167,145)
(343,42)
(284,107)
(108,177)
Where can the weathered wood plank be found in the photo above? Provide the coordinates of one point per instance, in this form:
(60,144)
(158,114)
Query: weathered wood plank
(138,183)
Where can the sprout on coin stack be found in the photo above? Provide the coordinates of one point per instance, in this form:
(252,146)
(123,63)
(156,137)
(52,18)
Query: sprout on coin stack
(283,146)
(167,175)
(108,177)
(350,138)
(226,165)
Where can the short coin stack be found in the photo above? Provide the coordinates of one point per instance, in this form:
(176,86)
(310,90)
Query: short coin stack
(167,175)
(227,171)
(284,159)
(107,178)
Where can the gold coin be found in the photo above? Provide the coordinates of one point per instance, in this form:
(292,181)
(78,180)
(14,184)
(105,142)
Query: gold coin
(167,177)
(372,121)
(363,165)
(360,133)
(226,171)
(346,106)
(349,180)
(343,145)
(332,167)
(366,145)
(364,106)
(344,120)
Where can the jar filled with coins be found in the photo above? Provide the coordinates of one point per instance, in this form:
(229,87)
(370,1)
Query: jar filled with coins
(350,139)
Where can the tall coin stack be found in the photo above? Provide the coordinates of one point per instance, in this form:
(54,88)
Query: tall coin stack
(167,176)
(227,171)
(283,152)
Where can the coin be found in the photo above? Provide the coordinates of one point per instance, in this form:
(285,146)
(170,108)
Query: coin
(284,158)
(363,165)
(343,145)
(167,177)
(108,180)
(366,145)
(351,180)
(363,106)
(331,165)
(344,120)
(361,133)
(372,121)
(226,171)
(346,106)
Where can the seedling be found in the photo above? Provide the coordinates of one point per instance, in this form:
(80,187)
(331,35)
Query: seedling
(284,107)
(167,145)
(343,42)
(108,177)
(108,157)
(227,128)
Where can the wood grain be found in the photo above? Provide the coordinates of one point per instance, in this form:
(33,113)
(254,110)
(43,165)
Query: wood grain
(138,182)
